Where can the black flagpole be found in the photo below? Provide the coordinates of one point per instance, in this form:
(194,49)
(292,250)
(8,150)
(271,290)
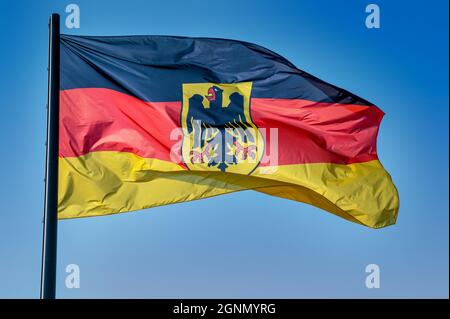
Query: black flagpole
(48,274)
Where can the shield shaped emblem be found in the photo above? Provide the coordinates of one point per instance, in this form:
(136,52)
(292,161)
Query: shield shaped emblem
(218,131)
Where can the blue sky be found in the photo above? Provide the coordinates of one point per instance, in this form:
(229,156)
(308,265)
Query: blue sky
(245,244)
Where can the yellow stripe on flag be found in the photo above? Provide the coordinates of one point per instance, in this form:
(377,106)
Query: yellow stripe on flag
(103,183)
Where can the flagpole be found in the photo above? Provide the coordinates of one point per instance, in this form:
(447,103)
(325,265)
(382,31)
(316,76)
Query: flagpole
(50,229)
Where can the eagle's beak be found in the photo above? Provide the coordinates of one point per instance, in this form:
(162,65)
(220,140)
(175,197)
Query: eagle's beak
(211,96)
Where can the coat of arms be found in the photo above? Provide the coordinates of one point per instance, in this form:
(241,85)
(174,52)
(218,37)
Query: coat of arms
(218,132)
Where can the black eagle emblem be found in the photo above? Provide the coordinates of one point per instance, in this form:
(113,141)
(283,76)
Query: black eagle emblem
(221,132)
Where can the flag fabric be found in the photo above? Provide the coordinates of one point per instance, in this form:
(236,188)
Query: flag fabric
(154,120)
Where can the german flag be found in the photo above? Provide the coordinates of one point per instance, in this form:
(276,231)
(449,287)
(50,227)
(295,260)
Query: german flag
(154,120)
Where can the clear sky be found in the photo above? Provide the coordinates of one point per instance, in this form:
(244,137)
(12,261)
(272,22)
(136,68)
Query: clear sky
(244,244)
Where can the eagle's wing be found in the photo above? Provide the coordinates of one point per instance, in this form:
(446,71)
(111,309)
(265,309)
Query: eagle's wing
(236,107)
(194,118)
(194,111)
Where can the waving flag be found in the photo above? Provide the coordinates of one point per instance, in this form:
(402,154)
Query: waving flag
(154,120)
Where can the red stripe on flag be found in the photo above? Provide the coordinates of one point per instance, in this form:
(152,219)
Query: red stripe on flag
(313,132)
(106,120)
(95,119)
